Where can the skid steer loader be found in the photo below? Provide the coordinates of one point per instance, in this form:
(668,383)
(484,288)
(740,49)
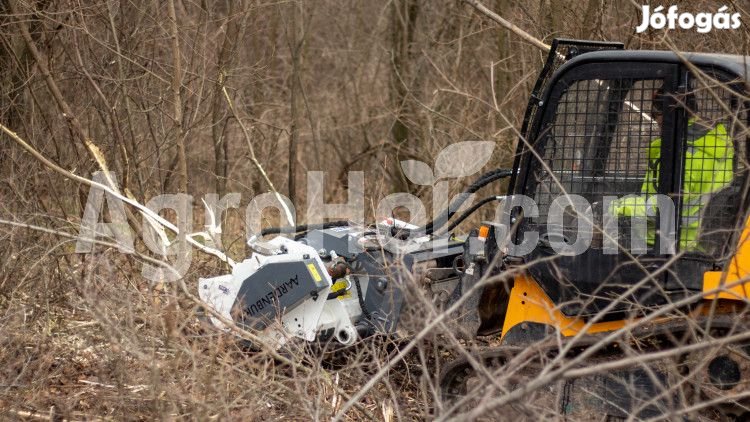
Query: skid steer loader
(621,244)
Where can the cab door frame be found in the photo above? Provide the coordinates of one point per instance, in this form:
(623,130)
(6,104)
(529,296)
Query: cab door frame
(569,290)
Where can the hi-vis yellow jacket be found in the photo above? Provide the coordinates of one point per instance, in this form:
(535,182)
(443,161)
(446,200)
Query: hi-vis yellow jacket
(708,168)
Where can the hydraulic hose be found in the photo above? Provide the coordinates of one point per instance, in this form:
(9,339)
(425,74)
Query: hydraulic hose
(446,215)
(431,226)
(471,211)
(303,227)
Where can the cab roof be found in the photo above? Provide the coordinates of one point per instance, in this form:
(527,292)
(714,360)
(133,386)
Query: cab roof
(737,65)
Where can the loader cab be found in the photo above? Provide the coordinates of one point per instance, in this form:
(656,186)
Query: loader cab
(592,137)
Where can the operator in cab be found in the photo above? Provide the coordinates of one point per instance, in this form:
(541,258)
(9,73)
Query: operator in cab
(709,154)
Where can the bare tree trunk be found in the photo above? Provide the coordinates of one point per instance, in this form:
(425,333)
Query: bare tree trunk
(502,79)
(403,18)
(550,16)
(296,43)
(126,97)
(232,35)
(13,55)
(592,19)
(221,147)
(177,98)
(168,316)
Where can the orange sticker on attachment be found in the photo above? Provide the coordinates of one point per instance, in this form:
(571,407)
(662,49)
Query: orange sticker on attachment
(484,232)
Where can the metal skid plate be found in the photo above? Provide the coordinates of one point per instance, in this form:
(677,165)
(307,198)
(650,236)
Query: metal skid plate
(277,286)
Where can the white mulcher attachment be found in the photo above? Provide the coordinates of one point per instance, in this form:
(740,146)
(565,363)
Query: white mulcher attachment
(282,290)
(336,284)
